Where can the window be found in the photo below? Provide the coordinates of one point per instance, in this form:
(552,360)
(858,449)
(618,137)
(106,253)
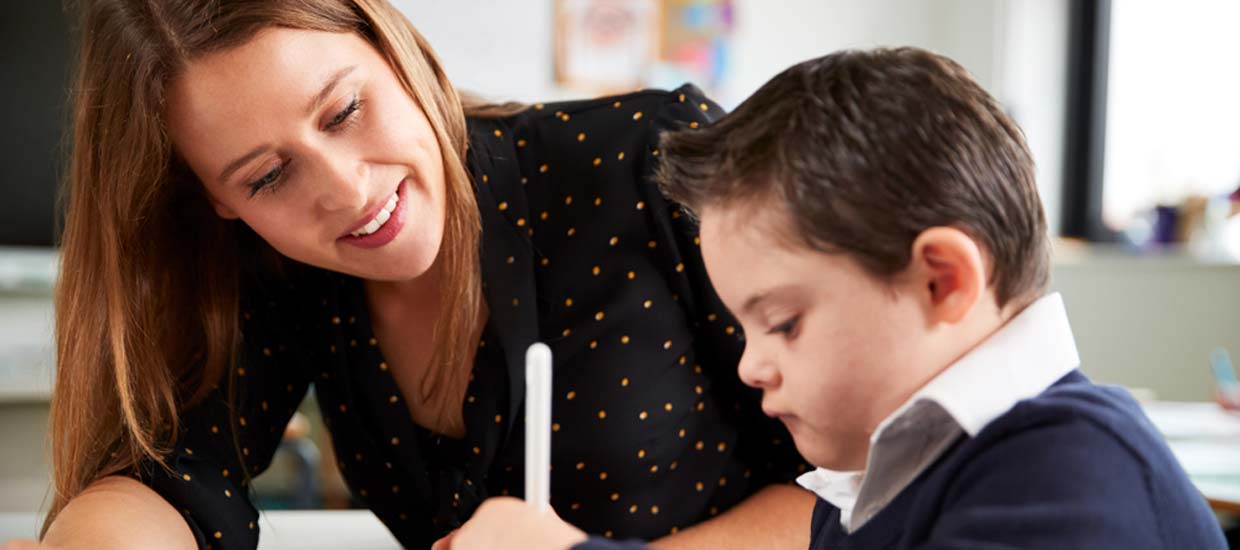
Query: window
(1172,106)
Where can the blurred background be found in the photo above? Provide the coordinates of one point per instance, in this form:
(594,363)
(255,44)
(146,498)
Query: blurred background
(1129,107)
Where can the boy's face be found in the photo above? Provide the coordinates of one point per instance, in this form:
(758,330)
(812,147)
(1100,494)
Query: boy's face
(833,348)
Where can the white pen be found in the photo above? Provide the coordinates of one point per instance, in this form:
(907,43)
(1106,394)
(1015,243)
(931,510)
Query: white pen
(538,426)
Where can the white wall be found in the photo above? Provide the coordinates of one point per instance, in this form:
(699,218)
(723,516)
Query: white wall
(498,48)
(1033,87)
(1151,322)
(771,36)
(505,48)
(1014,48)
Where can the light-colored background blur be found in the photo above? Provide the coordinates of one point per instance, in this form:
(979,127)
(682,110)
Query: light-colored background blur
(1146,322)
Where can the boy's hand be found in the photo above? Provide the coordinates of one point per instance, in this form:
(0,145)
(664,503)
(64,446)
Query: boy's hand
(509,523)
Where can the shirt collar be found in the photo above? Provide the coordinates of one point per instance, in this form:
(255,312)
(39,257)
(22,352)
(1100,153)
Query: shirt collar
(1019,361)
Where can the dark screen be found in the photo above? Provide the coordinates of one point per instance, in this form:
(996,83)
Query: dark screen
(36,52)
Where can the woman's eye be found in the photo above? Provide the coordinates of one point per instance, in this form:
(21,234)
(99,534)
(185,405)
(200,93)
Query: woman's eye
(345,113)
(267,179)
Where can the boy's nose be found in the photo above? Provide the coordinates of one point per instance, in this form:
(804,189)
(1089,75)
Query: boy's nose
(757,370)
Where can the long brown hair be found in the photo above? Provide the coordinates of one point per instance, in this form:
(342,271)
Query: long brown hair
(146,321)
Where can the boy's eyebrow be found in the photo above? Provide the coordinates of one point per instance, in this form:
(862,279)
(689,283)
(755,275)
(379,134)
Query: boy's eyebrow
(753,302)
(789,291)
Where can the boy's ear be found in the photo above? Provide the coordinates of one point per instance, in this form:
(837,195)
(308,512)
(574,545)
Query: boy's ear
(950,273)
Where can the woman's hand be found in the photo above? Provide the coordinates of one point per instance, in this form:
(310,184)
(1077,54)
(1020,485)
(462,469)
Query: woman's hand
(23,544)
(506,522)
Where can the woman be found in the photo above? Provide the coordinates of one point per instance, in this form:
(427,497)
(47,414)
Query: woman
(266,195)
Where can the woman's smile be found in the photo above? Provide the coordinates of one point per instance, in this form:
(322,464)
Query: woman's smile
(380,227)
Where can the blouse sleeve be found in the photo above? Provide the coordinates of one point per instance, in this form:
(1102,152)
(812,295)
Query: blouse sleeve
(224,441)
(764,444)
(601,543)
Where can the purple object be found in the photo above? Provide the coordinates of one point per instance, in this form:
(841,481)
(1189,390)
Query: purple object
(1166,218)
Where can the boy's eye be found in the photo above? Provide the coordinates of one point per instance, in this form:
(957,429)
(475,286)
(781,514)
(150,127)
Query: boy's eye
(787,328)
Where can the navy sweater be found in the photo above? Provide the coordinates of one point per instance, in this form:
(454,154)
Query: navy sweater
(1078,466)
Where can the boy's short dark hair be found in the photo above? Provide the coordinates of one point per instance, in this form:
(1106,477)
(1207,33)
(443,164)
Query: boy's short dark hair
(867,149)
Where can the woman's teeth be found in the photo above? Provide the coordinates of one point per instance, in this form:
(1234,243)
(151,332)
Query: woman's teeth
(381,218)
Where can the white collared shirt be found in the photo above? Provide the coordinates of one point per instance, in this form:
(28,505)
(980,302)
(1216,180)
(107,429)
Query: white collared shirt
(1019,361)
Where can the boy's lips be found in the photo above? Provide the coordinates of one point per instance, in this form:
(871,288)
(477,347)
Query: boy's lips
(789,421)
(773,412)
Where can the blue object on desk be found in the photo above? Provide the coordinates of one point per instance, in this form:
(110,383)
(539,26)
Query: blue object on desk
(1225,377)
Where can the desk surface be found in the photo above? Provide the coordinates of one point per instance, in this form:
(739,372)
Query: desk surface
(281,530)
(1203,437)
(1206,440)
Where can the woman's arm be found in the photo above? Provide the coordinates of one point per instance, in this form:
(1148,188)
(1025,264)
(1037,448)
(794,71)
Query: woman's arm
(116,512)
(777,516)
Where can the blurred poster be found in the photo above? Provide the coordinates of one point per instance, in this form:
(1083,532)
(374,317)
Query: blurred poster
(609,46)
(606,46)
(695,44)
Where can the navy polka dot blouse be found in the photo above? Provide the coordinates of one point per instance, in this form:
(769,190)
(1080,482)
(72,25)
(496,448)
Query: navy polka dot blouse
(653,431)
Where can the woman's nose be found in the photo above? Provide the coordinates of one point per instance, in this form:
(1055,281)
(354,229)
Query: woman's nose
(342,183)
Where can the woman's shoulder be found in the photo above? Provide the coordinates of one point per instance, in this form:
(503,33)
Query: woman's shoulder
(646,104)
(650,98)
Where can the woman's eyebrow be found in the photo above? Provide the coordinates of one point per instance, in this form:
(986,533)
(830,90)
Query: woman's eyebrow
(329,84)
(237,164)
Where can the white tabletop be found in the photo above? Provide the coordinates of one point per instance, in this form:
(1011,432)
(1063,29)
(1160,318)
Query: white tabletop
(280,530)
(1206,440)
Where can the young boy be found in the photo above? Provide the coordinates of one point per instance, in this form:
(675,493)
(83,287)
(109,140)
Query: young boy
(871,218)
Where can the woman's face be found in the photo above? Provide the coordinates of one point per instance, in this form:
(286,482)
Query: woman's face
(311,140)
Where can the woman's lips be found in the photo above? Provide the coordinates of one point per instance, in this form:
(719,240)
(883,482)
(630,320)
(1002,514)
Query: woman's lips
(370,216)
(388,229)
